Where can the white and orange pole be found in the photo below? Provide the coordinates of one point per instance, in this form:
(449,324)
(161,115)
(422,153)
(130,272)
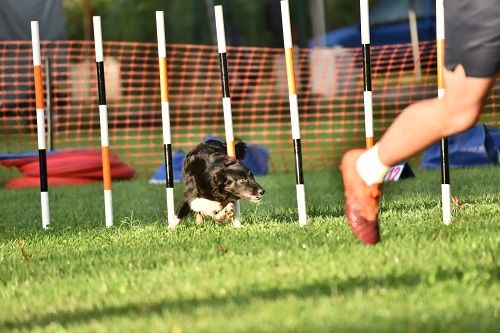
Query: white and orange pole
(165,117)
(367,72)
(294,111)
(445,165)
(40,124)
(226,97)
(103,116)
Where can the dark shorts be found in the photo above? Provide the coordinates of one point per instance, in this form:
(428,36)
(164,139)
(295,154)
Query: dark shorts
(472,36)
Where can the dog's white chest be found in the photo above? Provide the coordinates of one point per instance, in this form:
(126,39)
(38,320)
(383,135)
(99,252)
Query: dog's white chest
(205,206)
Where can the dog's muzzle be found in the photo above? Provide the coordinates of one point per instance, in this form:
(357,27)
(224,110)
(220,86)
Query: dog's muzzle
(258,196)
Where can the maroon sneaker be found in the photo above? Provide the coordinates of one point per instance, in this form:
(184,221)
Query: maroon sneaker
(361,201)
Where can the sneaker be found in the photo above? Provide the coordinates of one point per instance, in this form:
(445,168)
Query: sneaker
(361,201)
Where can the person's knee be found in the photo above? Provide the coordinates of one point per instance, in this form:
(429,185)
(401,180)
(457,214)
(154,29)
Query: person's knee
(460,116)
(463,100)
(466,119)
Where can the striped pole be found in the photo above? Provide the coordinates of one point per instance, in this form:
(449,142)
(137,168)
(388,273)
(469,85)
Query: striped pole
(445,166)
(294,111)
(165,117)
(40,124)
(367,72)
(48,99)
(103,115)
(226,98)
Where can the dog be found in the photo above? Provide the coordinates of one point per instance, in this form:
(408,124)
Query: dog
(213,182)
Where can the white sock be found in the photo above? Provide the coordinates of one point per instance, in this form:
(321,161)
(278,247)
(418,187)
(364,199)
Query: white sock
(370,168)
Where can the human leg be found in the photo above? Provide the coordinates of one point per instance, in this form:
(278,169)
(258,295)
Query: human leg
(418,126)
(425,122)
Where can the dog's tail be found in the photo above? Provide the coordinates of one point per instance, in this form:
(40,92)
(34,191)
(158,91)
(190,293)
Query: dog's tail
(183,210)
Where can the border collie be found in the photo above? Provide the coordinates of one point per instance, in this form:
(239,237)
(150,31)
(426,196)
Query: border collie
(213,182)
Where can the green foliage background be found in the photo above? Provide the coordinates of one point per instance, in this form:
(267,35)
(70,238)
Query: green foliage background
(187,21)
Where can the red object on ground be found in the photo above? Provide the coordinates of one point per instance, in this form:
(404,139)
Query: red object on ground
(22,182)
(67,168)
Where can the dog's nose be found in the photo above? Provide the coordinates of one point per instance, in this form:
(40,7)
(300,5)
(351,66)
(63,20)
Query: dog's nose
(262,191)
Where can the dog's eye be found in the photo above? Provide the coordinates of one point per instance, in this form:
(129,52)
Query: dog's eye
(242,180)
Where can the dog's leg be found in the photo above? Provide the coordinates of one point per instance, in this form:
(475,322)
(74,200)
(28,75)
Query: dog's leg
(226,214)
(199,218)
(204,207)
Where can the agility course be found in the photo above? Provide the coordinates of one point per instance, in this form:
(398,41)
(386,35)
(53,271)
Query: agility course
(165,118)
(226,95)
(103,121)
(40,124)
(294,111)
(445,164)
(272,274)
(367,72)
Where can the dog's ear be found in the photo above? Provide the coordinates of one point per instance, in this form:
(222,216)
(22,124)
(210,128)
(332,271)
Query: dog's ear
(240,150)
(219,179)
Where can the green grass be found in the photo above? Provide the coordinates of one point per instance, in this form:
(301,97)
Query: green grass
(270,275)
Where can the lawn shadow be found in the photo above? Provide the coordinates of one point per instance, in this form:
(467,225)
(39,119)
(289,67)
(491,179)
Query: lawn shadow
(326,288)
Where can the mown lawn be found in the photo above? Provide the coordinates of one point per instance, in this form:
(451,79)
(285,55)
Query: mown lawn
(269,276)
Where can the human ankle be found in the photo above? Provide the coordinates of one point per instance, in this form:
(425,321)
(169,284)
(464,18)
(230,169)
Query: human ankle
(370,168)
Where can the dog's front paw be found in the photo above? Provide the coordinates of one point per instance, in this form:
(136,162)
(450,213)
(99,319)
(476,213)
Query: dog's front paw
(226,214)
(230,209)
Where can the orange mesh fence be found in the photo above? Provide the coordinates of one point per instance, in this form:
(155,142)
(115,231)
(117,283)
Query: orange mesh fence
(329,88)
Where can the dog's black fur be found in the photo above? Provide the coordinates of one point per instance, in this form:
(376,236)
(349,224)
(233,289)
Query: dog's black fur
(211,175)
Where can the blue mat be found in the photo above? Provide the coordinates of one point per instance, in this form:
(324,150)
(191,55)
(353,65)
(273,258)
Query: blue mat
(478,146)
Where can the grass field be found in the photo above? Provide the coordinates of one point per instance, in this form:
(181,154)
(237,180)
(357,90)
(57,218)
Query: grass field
(269,276)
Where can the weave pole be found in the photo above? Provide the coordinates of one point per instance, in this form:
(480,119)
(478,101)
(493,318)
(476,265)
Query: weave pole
(103,116)
(40,124)
(445,165)
(294,111)
(367,72)
(165,117)
(226,98)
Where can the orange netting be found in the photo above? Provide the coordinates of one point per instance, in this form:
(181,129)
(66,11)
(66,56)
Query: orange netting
(329,86)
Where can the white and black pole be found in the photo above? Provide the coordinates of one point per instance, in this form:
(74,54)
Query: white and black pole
(445,165)
(165,116)
(367,73)
(226,98)
(103,120)
(40,124)
(294,111)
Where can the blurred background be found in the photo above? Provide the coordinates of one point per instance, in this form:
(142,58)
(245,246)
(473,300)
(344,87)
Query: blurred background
(251,23)
(328,70)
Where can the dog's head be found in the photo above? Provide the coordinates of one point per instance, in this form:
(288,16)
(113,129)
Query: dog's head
(235,178)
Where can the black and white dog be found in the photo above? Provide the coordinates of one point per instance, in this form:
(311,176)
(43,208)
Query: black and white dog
(213,182)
